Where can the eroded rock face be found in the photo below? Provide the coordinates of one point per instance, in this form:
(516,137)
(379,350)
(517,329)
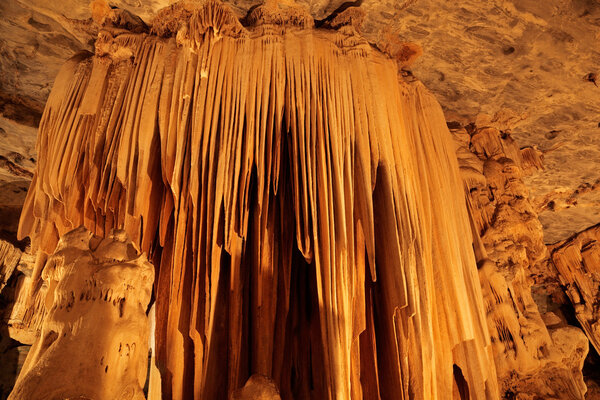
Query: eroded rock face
(526,351)
(533,58)
(531,359)
(9,259)
(289,181)
(20,316)
(17,161)
(9,352)
(94,339)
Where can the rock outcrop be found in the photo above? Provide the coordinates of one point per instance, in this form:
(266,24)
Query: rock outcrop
(9,259)
(258,387)
(17,161)
(10,353)
(93,342)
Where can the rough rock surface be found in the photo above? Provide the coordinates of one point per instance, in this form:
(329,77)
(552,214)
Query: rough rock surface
(535,354)
(533,58)
(526,68)
(93,341)
(17,161)
(258,387)
(15,268)
(279,253)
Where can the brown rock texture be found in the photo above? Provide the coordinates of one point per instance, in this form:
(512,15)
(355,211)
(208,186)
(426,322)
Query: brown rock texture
(258,387)
(9,259)
(288,185)
(537,58)
(9,354)
(530,57)
(532,361)
(300,201)
(93,342)
(17,161)
(15,336)
(577,261)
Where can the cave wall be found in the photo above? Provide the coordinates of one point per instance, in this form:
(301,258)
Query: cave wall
(535,350)
(290,194)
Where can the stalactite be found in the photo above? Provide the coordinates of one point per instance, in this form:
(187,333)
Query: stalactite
(577,261)
(9,258)
(297,197)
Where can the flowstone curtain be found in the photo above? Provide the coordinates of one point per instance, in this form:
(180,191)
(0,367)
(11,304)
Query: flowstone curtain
(301,203)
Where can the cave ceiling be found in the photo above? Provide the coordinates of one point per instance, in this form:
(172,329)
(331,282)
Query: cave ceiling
(532,64)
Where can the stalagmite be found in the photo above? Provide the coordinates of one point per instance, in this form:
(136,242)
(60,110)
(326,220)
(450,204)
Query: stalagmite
(9,259)
(258,387)
(297,197)
(93,342)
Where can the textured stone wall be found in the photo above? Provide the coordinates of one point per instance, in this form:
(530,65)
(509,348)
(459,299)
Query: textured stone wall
(93,338)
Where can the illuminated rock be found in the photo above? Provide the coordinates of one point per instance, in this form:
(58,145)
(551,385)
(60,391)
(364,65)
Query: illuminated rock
(296,195)
(577,261)
(531,359)
(93,342)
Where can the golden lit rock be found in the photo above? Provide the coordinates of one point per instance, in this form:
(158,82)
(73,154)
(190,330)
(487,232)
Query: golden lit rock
(531,359)
(281,178)
(93,342)
(317,231)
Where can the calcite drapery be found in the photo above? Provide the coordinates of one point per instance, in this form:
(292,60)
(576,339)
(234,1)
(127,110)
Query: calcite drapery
(9,258)
(94,339)
(298,199)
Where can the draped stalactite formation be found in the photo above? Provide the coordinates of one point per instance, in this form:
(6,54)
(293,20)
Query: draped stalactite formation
(297,197)
(577,261)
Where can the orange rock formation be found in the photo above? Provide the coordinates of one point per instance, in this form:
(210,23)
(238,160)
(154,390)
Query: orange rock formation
(531,359)
(93,342)
(297,198)
(577,261)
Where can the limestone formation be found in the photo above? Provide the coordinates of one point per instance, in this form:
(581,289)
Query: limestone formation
(17,161)
(530,56)
(21,313)
(27,310)
(9,352)
(298,191)
(9,259)
(531,359)
(258,387)
(577,261)
(93,341)
(297,197)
